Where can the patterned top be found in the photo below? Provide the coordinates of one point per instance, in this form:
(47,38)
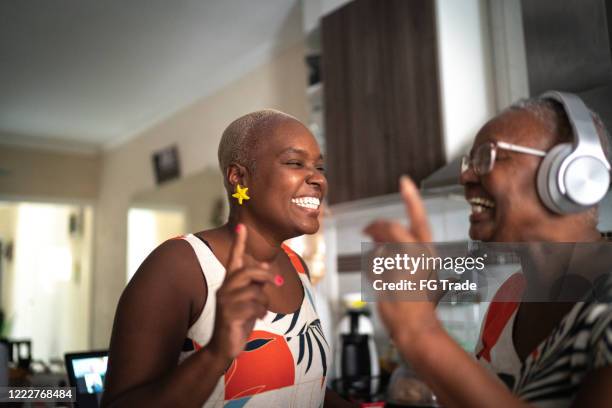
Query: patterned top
(552,374)
(286,358)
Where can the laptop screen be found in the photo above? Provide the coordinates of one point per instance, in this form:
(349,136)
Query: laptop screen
(86,372)
(89,374)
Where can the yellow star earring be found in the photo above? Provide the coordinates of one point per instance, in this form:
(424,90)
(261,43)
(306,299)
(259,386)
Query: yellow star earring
(241,194)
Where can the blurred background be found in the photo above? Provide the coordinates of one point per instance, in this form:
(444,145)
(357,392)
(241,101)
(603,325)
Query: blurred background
(111,113)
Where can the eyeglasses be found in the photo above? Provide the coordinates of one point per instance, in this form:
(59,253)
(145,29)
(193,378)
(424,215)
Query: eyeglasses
(482,159)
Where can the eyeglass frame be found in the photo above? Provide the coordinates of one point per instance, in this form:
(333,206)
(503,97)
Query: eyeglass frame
(466,159)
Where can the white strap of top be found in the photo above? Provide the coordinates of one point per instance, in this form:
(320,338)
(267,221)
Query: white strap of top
(213,270)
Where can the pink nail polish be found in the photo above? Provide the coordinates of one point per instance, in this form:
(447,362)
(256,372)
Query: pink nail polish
(279,280)
(238,227)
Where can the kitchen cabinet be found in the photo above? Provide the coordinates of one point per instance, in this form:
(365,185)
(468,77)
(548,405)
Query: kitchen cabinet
(382,99)
(567,44)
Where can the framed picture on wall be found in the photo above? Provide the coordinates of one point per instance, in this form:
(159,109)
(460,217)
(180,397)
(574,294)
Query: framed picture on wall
(166,164)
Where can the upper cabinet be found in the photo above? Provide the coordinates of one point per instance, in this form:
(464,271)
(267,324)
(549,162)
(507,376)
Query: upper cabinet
(382,96)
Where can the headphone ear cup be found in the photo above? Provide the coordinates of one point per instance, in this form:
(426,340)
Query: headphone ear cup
(548,188)
(586,181)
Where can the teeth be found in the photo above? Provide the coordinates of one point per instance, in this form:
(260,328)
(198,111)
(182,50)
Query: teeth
(481,202)
(307,202)
(477,209)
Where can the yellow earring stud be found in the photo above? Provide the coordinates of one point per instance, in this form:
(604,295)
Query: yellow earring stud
(241,194)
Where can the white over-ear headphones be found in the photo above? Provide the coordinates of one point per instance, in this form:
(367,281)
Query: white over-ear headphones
(574,177)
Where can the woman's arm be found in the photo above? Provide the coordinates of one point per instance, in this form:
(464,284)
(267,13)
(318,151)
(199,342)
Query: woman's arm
(459,381)
(154,314)
(150,325)
(596,389)
(454,375)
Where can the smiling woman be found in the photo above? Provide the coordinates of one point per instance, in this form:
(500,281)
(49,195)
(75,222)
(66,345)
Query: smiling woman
(529,353)
(277,158)
(233,319)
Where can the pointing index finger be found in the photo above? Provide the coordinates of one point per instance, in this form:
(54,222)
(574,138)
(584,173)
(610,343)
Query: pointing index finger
(236,260)
(415,209)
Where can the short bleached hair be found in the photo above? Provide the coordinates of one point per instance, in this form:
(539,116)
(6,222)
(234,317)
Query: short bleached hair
(241,137)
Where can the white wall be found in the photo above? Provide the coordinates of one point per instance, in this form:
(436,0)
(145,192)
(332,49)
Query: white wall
(509,55)
(147,228)
(43,175)
(196,130)
(465,70)
(197,195)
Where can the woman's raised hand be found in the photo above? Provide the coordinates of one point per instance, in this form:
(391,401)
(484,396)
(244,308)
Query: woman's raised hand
(401,318)
(240,300)
(418,231)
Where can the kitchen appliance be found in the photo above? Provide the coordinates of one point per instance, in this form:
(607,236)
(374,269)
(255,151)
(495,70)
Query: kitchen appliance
(357,360)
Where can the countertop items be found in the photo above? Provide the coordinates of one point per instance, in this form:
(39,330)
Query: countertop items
(406,389)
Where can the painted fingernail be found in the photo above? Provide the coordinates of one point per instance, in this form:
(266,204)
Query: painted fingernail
(279,280)
(238,227)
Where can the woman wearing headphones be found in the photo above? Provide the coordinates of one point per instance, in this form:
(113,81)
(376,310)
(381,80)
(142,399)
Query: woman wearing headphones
(226,317)
(540,354)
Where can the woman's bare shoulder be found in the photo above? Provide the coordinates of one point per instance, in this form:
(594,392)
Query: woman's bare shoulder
(172,268)
(169,258)
(218,241)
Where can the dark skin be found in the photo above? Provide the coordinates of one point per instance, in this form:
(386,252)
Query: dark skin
(168,292)
(518,216)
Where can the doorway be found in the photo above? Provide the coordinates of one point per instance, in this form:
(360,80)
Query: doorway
(45,276)
(147,228)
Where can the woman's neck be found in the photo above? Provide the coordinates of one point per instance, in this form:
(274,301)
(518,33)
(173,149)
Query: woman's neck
(552,259)
(261,244)
(570,232)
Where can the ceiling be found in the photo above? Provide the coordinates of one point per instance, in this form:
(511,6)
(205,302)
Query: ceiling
(90,73)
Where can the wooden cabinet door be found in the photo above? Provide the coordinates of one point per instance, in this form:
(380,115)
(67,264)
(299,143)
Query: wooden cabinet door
(382,109)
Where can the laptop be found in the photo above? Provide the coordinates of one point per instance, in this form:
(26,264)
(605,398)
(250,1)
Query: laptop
(86,372)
